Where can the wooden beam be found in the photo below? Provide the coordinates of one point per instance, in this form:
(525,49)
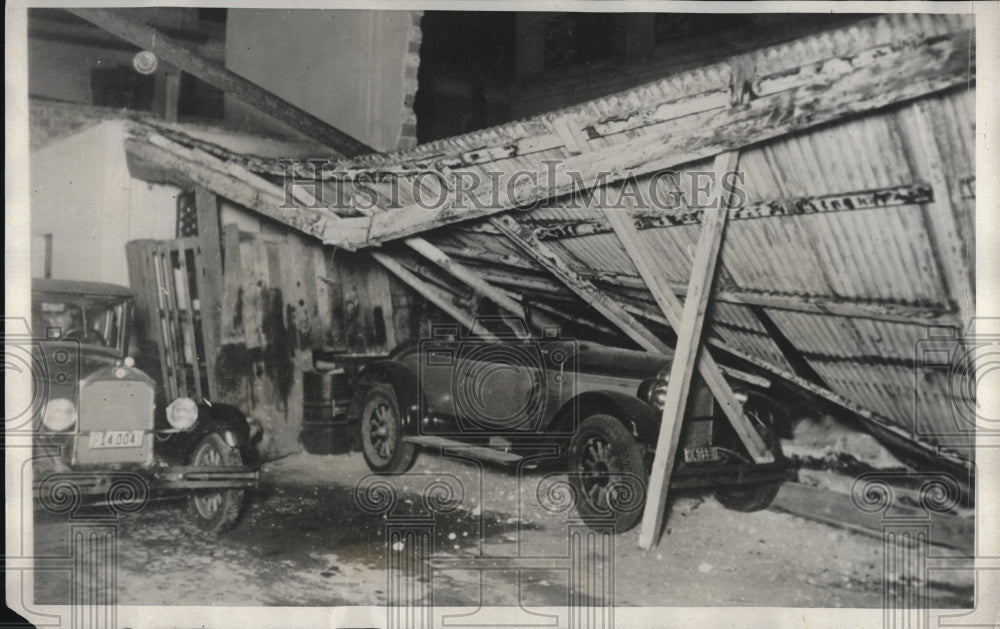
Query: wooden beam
(468,277)
(513,271)
(678,133)
(584,288)
(179,55)
(687,350)
(645,262)
(432,294)
(193,167)
(195,170)
(875,421)
(895,196)
(211,283)
(951,252)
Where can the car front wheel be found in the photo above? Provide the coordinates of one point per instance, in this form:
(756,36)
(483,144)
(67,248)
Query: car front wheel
(216,511)
(765,416)
(606,472)
(382,432)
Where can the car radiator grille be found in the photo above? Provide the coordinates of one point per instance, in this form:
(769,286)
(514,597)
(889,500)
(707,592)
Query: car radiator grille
(113,406)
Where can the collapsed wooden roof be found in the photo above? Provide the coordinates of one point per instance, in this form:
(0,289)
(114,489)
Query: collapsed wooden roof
(850,258)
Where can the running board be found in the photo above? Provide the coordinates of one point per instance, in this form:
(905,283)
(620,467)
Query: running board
(455,446)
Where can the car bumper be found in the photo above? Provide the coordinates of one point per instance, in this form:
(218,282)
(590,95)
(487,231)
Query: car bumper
(717,476)
(135,483)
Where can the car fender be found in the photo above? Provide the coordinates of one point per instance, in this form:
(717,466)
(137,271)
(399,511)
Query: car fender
(227,420)
(400,377)
(642,420)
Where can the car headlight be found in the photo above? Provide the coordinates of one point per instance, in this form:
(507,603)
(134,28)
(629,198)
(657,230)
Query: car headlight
(657,395)
(182,413)
(653,391)
(59,415)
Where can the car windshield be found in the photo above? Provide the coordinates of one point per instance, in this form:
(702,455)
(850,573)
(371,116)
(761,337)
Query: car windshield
(92,320)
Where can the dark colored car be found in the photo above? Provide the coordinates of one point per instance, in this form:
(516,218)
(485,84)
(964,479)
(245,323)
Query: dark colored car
(101,423)
(598,407)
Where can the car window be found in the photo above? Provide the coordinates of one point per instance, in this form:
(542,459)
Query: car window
(91,321)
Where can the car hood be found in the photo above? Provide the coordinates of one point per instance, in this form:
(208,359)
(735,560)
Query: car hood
(614,361)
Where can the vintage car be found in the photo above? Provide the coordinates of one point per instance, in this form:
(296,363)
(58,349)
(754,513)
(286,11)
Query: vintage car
(597,407)
(102,422)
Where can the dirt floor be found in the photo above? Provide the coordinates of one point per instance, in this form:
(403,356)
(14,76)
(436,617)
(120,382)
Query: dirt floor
(306,541)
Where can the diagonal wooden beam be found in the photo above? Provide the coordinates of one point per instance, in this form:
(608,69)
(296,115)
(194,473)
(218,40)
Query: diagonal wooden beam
(541,253)
(469,277)
(645,262)
(177,54)
(256,198)
(433,294)
(687,350)
(512,271)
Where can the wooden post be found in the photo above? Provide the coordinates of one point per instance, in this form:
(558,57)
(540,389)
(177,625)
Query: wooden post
(688,343)
(210,283)
(643,258)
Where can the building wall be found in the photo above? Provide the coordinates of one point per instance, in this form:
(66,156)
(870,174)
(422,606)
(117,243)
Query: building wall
(61,70)
(82,194)
(352,69)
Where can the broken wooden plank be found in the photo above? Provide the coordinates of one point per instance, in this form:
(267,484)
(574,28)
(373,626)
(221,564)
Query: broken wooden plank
(585,289)
(856,85)
(519,273)
(644,260)
(435,295)
(686,353)
(175,53)
(308,221)
(468,277)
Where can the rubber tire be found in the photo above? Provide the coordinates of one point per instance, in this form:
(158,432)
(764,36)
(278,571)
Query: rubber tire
(749,498)
(231,506)
(403,454)
(629,456)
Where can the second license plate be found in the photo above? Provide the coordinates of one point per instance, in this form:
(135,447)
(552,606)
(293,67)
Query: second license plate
(700,455)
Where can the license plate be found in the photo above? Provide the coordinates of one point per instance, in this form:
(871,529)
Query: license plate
(116,439)
(699,455)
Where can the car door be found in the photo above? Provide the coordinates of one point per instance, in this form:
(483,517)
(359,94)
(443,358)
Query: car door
(499,386)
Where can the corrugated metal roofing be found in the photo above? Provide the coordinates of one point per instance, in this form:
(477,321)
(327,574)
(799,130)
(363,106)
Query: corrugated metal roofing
(900,256)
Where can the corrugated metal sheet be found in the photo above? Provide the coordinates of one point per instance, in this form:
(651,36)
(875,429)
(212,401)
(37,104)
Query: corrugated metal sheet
(887,256)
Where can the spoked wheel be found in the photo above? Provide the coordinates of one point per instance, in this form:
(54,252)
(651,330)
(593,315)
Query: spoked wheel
(216,511)
(607,472)
(382,432)
(764,414)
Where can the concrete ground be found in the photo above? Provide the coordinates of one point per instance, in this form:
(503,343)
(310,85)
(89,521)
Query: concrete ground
(306,541)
